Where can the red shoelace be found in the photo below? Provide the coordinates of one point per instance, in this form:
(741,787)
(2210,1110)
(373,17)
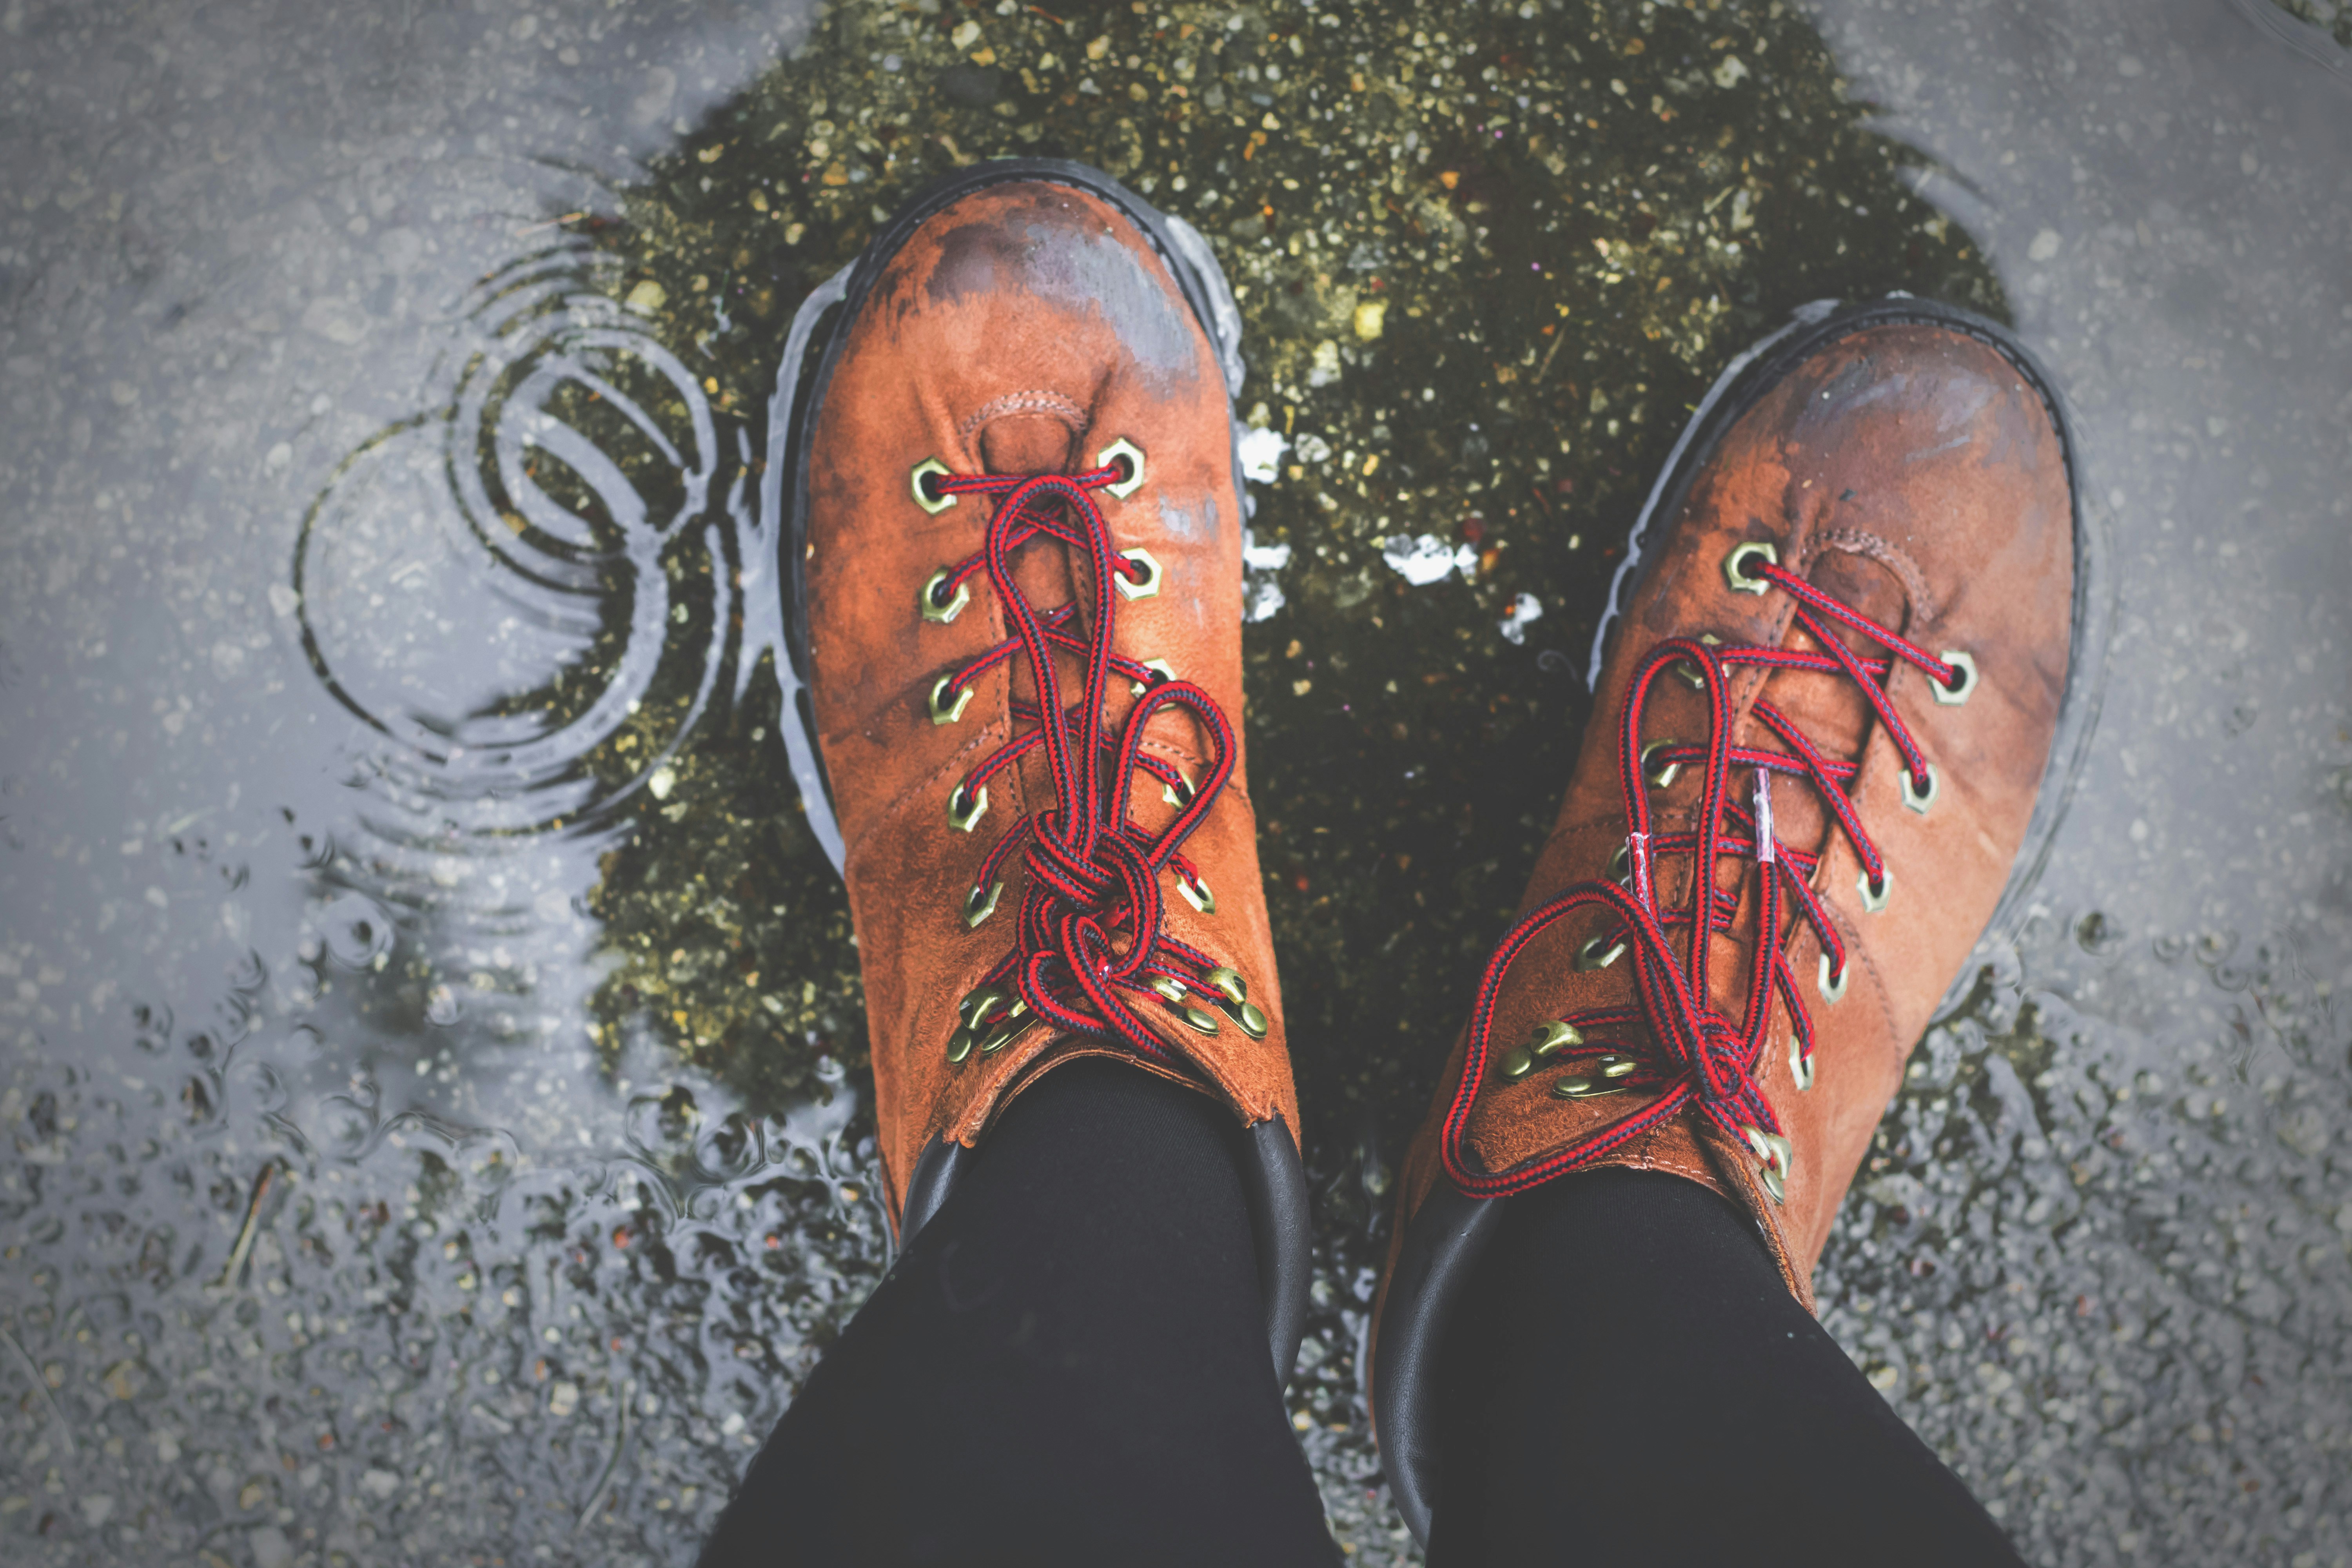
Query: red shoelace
(1090,951)
(1675,1042)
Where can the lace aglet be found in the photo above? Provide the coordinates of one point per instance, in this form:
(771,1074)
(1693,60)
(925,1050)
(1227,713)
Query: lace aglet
(1765,850)
(1640,844)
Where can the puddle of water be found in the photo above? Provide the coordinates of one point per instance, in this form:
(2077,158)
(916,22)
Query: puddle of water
(2099,1258)
(434,1055)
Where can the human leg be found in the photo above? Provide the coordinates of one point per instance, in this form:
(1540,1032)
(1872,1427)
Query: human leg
(1635,1386)
(1067,1366)
(1010,528)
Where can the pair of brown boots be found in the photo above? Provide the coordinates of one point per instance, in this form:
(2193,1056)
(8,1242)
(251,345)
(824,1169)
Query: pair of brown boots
(1837,679)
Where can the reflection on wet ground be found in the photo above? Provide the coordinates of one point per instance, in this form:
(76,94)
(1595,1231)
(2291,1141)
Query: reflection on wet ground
(2330,15)
(433,1057)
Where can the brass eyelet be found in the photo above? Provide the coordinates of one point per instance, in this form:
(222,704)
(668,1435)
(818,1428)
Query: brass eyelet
(1582,1087)
(1920,800)
(1741,583)
(1620,865)
(933,610)
(934,504)
(1953,696)
(1152,575)
(1003,1035)
(1874,899)
(1800,1066)
(1689,674)
(959,1045)
(1663,775)
(1158,667)
(951,713)
(1168,792)
(1831,984)
(1170,988)
(1232,992)
(1517,1062)
(1553,1035)
(1590,957)
(1200,1019)
(964,813)
(1778,1157)
(993,1018)
(980,1006)
(1123,448)
(981,903)
(1197,894)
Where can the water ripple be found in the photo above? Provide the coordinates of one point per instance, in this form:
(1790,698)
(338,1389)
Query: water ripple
(497,587)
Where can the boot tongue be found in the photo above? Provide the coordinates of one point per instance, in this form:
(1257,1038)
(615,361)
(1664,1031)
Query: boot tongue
(1831,710)
(1033,443)
(1865,588)
(1025,444)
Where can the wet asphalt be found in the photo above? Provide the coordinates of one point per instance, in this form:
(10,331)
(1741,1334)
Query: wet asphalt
(430,1047)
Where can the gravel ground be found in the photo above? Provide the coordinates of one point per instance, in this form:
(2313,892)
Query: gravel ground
(429,1044)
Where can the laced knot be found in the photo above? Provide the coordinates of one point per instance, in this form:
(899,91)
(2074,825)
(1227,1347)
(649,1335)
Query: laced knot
(1673,1043)
(1091,955)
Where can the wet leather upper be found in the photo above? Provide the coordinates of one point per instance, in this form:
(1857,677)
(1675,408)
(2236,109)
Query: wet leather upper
(1020,329)
(1914,472)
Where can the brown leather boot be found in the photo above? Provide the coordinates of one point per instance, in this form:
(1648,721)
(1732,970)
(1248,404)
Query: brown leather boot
(1849,677)
(1015,541)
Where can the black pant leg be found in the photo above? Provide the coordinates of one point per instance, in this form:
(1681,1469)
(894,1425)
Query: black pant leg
(1067,1366)
(1630,1383)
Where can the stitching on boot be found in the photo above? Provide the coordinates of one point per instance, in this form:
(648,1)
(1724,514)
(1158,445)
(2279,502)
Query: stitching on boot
(1893,557)
(927,794)
(1653,1151)
(1048,403)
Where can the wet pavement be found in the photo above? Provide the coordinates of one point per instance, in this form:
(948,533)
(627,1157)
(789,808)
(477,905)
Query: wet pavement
(430,1049)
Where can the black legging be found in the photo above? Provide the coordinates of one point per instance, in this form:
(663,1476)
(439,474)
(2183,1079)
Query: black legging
(1630,1382)
(1068,1366)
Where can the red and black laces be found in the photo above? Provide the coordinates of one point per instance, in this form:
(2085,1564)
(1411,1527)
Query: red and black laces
(1091,955)
(1674,1045)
